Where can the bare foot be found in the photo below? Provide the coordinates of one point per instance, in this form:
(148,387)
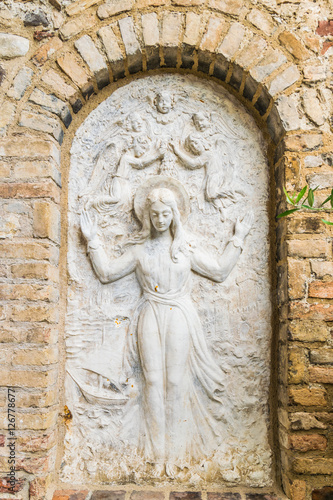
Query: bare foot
(170,470)
(158,470)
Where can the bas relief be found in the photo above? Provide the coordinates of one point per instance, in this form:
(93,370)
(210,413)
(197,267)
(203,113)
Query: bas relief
(168,324)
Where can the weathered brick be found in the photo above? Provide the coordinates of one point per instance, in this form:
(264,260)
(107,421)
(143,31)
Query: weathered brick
(35,270)
(308,248)
(325,493)
(303,142)
(46,51)
(69,64)
(321,374)
(147,495)
(29,147)
(232,41)
(58,84)
(170,37)
(108,495)
(111,8)
(20,84)
(223,496)
(305,421)
(79,6)
(39,486)
(75,26)
(131,43)
(272,60)
(53,104)
(10,291)
(46,220)
(322,180)
(42,123)
(284,80)
(5,170)
(34,313)
(252,52)
(42,357)
(313,161)
(314,73)
(325,27)
(23,249)
(192,29)
(313,396)
(42,334)
(39,465)
(93,59)
(8,110)
(33,421)
(298,273)
(321,289)
(13,46)
(298,370)
(322,356)
(25,378)
(36,399)
(308,442)
(113,51)
(312,107)
(37,169)
(301,310)
(261,20)
(47,189)
(233,7)
(294,46)
(312,466)
(298,490)
(305,224)
(213,34)
(151,37)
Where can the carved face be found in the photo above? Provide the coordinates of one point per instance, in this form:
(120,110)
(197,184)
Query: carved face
(200,121)
(163,103)
(196,146)
(136,122)
(161,216)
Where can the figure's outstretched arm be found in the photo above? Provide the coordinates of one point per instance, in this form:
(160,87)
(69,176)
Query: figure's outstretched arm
(189,161)
(219,269)
(107,271)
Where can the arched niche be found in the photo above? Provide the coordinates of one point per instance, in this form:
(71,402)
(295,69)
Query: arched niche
(193,138)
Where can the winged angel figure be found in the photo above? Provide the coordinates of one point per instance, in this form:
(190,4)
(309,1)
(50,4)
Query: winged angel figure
(129,144)
(206,144)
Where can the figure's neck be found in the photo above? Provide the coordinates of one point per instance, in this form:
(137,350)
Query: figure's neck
(163,237)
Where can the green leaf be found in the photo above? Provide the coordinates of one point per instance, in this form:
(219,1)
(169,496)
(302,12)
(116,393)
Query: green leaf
(327,199)
(301,194)
(327,222)
(288,212)
(306,206)
(287,196)
(311,197)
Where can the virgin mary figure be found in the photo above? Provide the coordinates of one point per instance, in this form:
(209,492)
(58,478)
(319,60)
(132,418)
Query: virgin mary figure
(182,384)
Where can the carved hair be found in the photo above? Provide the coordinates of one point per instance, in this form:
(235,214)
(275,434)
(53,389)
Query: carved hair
(166,197)
(198,137)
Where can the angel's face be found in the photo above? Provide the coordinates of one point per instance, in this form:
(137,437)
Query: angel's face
(163,103)
(137,123)
(196,146)
(200,121)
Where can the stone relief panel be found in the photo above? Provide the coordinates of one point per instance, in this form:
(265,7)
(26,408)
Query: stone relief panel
(168,325)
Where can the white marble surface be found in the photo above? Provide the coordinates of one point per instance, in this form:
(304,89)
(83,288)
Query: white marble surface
(212,424)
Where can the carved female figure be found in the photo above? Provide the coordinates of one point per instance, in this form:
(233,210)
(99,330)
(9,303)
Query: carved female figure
(181,380)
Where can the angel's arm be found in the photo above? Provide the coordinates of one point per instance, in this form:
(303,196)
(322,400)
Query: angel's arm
(107,270)
(189,161)
(146,159)
(219,269)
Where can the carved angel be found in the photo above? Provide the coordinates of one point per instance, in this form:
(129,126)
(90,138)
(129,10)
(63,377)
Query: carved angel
(197,153)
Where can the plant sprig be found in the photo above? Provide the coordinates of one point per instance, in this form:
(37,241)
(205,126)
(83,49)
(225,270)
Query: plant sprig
(304,203)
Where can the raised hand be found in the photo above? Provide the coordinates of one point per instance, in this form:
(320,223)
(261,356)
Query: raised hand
(242,227)
(88,226)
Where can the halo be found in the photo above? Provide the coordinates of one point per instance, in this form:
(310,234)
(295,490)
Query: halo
(159,181)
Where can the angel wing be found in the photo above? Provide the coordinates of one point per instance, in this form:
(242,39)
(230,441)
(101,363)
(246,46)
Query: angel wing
(225,128)
(106,162)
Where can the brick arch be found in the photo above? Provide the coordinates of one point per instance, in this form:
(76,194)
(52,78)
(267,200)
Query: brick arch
(257,61)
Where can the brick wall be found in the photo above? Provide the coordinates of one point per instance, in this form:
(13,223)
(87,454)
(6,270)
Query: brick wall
(276,57)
